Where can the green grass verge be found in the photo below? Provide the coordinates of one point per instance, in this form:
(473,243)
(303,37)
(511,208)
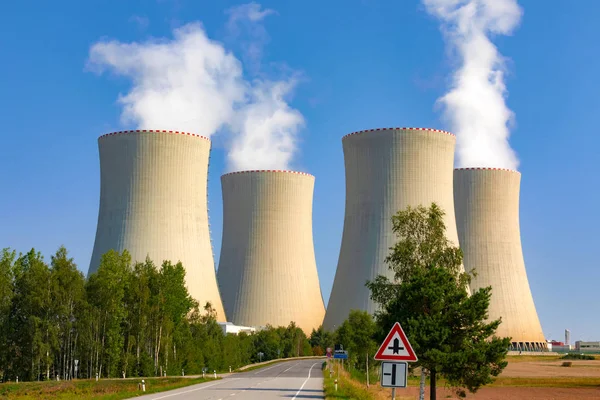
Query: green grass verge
(254,367)
(345,389)
(272,362)
(105,389)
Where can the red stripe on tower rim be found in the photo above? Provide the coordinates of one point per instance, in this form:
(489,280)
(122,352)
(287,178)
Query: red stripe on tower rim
(267,170)
(154,131)
(397,129)
(486,169)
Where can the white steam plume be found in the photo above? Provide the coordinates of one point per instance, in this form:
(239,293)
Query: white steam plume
(192,83)
(475,106)
(265,129)
(189,83)
(244,27)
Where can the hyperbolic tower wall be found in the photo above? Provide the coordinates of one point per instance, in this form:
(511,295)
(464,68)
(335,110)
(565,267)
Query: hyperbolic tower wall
(386,171)
(487,215)
(153,202)
(267,269)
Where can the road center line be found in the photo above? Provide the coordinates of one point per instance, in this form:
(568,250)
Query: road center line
(302,387)
(289,368)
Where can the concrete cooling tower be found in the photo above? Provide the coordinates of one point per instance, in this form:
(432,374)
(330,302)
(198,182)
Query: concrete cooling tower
(487,215)
(153,202)
(267,269)
(386,171)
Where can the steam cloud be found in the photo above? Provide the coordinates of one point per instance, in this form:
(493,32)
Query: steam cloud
(192,83)
(475,106)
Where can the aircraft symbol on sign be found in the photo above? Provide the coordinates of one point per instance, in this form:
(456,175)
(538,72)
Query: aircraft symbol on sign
(396,347)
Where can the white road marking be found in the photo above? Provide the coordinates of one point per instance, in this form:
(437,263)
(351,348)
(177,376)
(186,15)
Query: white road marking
(266,369)
(290,368)
(302,387)
(195,390)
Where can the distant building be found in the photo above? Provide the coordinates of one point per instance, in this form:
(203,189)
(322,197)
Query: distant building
(567,336)
(587,346)
(229,327)
(558,347)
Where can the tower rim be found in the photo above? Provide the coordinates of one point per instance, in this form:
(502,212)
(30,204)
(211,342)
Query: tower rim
(398,128)
(254,171)
(487,169)
(129,132)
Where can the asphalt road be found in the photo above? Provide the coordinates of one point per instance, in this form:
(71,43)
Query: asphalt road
(300,379)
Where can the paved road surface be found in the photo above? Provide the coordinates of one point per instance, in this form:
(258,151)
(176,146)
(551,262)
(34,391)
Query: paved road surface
(291,380)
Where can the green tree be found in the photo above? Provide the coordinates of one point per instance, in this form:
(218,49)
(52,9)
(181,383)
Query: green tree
(294,341)
(356,334)
(32,335)
(429,297)
(320,340)
(106,293)
(7,260)
(67,299)
(269,342)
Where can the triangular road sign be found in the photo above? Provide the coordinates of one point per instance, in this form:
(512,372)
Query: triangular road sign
(396,347)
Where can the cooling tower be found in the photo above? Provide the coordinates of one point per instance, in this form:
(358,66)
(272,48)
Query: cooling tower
(386,171)
(267,269)
(487,215)
(153,188)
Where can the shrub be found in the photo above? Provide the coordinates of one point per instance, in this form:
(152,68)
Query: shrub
(577,356)
(567,363)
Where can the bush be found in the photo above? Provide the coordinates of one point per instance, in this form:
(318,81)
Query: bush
(567,363)
(577,356)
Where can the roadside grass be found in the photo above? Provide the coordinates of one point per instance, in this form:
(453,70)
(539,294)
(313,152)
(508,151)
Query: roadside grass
(347,389)
(352,385)
(105,389)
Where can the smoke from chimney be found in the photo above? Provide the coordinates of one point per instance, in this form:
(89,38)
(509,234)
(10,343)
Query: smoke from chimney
(475,106)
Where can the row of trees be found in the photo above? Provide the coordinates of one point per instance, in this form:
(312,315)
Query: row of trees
(133,319)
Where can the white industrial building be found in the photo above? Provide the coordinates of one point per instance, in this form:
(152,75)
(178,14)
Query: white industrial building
(229,327)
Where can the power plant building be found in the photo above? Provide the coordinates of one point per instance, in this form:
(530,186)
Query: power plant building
(267,269)
(487,212)
(386,171)
(153,203)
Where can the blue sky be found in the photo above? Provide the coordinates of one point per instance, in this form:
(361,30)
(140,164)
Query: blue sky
(366,64)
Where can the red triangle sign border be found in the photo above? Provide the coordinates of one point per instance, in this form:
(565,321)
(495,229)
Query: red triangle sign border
(411,357)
